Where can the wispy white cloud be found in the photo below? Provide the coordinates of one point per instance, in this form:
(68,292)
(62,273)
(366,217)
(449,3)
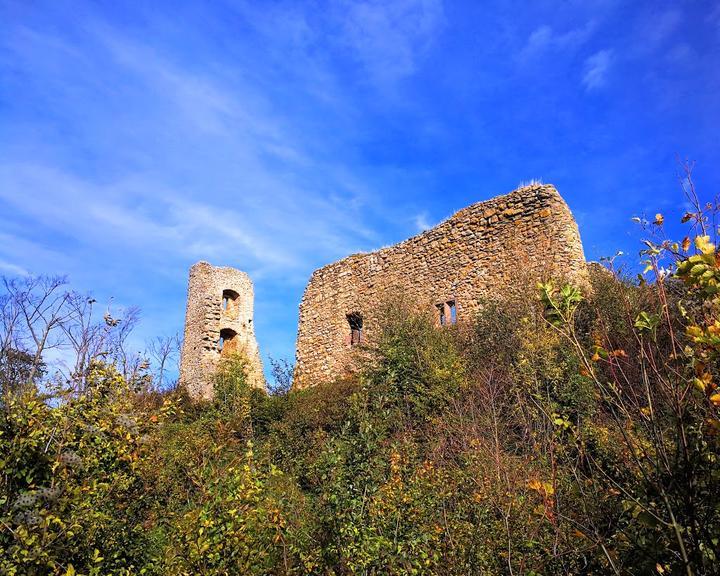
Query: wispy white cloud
(544,39)
(714,19)
(389,37)
(422,222)
(596,69)
(538,41)
(12,269)
(281,198)
(23,255)
(209,102)
(251,134)
(656,31)
(141,215)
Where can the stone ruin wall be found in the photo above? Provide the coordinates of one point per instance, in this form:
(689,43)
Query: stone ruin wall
(219,304)
(527,235)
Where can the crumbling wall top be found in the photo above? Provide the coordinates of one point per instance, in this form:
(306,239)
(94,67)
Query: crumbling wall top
(451,266)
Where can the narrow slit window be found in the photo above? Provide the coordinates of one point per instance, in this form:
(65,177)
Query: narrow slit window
(356,323)
(453,311)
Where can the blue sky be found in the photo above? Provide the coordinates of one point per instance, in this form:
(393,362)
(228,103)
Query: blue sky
(137,138)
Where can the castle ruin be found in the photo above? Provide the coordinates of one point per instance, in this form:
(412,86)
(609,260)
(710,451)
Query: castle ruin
(218,323)
(526,235)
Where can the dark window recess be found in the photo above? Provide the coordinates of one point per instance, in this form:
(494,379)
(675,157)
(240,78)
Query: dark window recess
(443,317)
(356,323)
(227,344)
(448,312)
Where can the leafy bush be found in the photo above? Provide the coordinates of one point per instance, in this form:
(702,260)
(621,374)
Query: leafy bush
(72,496)
(568,430)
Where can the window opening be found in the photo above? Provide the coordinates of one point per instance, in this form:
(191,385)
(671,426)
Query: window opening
(448,312)
(441,310)
(227,344)
(356,323)
(453,311)
(230,303)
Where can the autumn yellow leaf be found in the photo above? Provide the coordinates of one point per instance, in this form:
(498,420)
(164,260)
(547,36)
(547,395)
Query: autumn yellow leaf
(694,331)
(535,485)
(703,244)
(699,384)
(542,487)
(713,426)
(659,219)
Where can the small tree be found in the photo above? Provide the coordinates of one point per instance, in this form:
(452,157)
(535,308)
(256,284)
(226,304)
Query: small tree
(658,385)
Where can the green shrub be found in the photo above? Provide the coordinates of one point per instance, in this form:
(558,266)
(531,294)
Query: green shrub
(72,497)
(560,432)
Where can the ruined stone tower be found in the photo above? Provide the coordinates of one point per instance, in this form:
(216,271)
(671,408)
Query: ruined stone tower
(218,323)
(507,242)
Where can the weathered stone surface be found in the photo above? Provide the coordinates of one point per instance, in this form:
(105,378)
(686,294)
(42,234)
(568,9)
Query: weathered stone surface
(529,234)
(219,304)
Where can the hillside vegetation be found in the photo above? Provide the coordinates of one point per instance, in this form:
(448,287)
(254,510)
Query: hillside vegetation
(566,430)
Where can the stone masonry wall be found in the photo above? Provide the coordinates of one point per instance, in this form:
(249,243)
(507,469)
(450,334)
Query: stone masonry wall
(524,236)
(218,322)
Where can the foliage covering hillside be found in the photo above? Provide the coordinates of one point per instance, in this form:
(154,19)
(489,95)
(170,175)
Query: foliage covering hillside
(565,431)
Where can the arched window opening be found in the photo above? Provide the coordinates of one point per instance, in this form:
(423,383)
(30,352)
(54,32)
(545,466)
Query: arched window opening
(227,344)
(355,321)
(448,312)
(230,304)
